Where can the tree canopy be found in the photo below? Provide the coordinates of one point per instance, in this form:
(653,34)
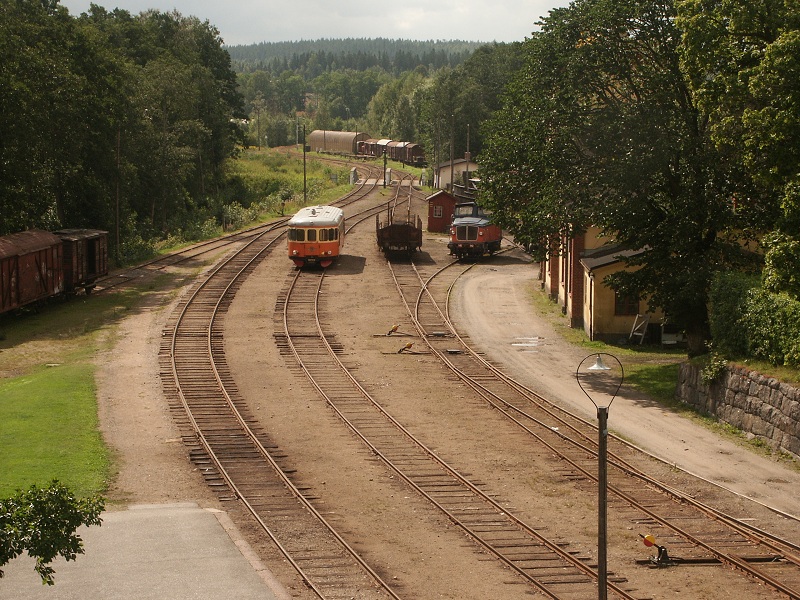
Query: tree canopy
(42,522)
(603,128)
(110,119)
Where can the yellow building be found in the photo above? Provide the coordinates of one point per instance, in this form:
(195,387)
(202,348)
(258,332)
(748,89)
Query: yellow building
(573,277)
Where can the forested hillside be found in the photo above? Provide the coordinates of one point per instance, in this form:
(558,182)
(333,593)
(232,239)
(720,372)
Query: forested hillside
(112,121)
(314,57)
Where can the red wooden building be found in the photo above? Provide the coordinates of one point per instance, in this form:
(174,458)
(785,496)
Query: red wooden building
(440,211)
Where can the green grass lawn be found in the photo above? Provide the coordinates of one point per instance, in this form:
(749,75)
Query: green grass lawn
(49,430)
(48,409)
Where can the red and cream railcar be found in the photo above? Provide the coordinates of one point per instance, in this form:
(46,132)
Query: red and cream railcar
(316,235)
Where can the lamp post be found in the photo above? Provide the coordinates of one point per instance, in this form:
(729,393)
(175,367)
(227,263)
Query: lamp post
(384,167)
(305,149)
(604,385)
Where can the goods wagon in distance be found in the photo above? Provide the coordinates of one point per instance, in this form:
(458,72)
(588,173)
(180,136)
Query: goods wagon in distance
(335,142)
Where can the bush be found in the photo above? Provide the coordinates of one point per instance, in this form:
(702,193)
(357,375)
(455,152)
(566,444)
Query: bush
(772,324)
(713,368)
(728,297)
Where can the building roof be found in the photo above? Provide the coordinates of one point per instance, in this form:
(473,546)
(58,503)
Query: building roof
(606,255)
(458,162)
(440,193)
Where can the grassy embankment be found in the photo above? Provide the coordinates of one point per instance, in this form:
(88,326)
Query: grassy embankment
(48,408)
(654,371)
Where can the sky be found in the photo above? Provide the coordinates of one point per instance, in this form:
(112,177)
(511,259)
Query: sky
(242,22)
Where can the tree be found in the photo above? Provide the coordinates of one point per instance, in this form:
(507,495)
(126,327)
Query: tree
(743,61)
(42,522)
(601,129)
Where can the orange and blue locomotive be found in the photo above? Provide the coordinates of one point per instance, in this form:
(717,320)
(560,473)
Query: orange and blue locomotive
(472,233)
(316,235)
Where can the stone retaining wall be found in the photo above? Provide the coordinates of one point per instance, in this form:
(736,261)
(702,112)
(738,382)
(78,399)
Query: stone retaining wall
(758,405)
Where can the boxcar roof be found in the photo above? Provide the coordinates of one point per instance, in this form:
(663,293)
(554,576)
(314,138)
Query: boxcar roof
(312,216)
(17,244)
(79,234)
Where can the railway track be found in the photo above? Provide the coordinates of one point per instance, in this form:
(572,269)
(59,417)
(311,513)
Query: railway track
(234,452)
(553,569)
(697,531)
(237,457)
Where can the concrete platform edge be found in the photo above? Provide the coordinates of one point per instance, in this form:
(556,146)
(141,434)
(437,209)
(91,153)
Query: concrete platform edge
(281,593)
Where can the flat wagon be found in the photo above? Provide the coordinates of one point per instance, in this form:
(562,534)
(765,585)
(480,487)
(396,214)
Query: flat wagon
(399,234)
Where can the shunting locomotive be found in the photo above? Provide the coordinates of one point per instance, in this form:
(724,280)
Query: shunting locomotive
(316,235)
(472,233)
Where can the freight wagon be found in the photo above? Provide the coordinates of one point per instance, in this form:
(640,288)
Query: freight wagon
(36,265)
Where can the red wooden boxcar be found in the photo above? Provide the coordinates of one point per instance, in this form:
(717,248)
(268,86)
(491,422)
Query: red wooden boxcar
(85,257)
(31,268)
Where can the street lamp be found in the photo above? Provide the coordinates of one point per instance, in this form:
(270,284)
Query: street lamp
(305,150)
(602,381)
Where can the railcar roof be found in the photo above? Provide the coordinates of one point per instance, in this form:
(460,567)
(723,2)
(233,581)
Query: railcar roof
(480,221)
(312,216)
(17,244)
(79,234)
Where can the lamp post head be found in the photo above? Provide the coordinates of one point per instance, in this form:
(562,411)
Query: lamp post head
(600,367)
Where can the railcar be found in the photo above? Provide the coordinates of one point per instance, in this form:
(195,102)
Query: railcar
(472,233)
(316,235)
(36,265)
(336,142)
(85,253)
(399,234)
(348,142)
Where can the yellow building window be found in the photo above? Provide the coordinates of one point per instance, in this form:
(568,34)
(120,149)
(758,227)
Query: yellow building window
(625,305)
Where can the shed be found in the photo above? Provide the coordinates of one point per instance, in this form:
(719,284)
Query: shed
(449,171)
(606,315)
(441,206)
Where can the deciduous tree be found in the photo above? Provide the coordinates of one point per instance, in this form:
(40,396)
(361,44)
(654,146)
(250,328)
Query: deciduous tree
(601,128)
(43,522)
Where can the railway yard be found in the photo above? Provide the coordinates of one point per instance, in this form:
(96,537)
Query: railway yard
(386,470)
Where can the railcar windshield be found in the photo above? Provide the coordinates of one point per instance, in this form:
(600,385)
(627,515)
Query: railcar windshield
(328,234)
